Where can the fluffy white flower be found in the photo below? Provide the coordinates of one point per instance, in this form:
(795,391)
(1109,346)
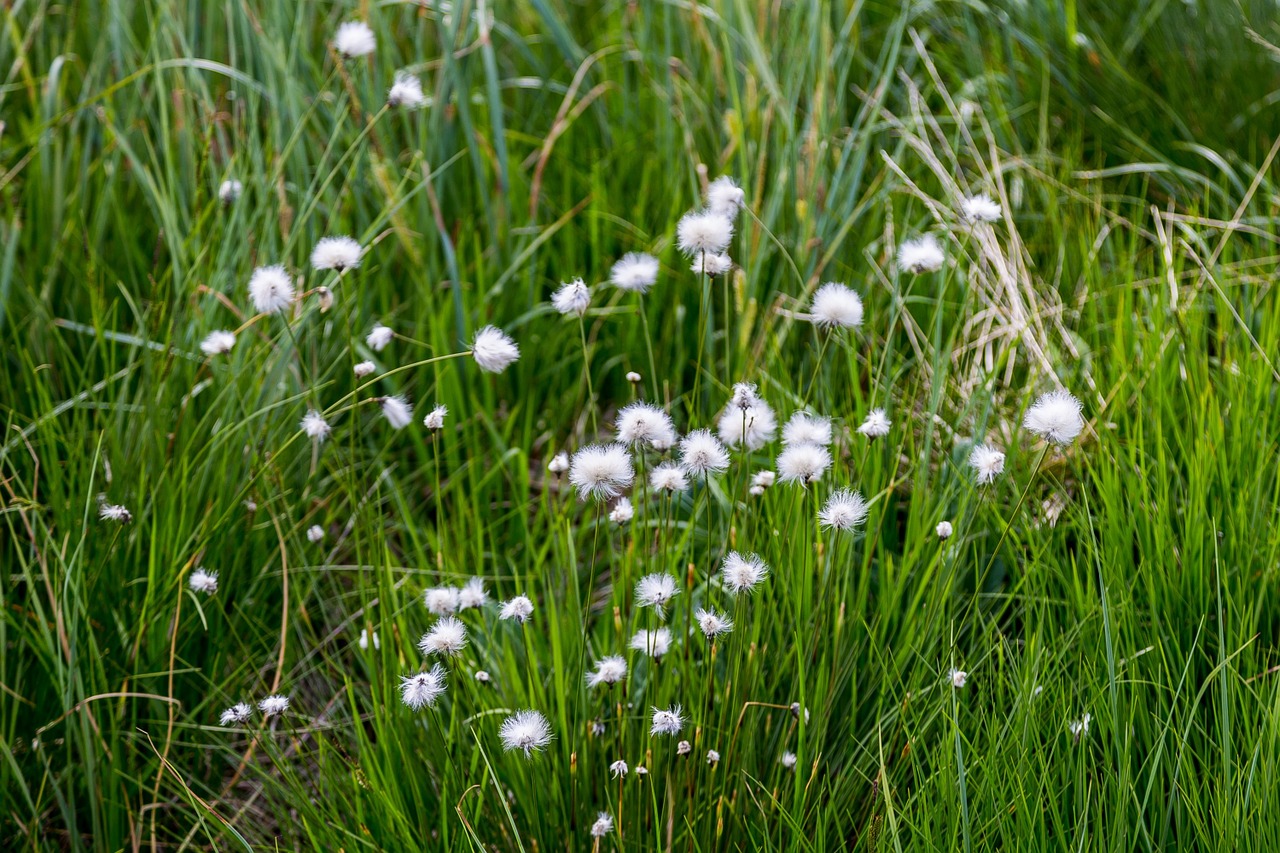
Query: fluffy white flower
(559,463)
(876,425)
(472,594)
(315,426)
(845,510)
(684,748)
(354,38)
(493,350)
(435,417)
(379,336)
(367,637)
(336,253)
(713,624)
(713,757)
(601,471)
(725,197)
(482,676)
(447,637)
(642,771)
(656,591)
(315,533)
(202,581)
(703,231)
(668,722)
(217,343)
(702,453)
(603,825)
(609,670)
(236,714)
(1055,417)
(270,289)
(979,208)
(230,191)
(423,689)
(944,530)
(397,411)
(653,643)
(987,461)
(742,573)
(836,306)
(922,254)
(622,511)
(711,264)
(788,760)
(519,608)
(803,463)
(363,369)
(635,271)
(633,377)
(619,769)
(274,705)
(1079,728)
(114,512)
(442,600)
(643,422)
(804,428)
(958,678)
(747,420)
(572,298)
(325,297)
(406,92)
(668,477)
(762,480)
(527,730)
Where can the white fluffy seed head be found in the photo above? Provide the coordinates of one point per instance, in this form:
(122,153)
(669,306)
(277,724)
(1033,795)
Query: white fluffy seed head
(422,689)
(702,231)
(601,471)
(668,477)
(713,624)
(763,479)
(702,453)
(713,757)
(979,208)
(472,594)
(336,253)
(525,730)
(603,825)
(619,769)
(803,463)
(668,722)
(634,271)
(559,463)
(957,677)
(1079,728)
(442,600)
(876,425)
(435,417)
(237,714)
(923,254)
(572,298)
(987,461)
(684,748)
(315,426)
(114,512)
(747,421)
(229,191)
(836,306)
(788,761)
(379,336)
(406,92)
(493,350)
(1055,417)
(656,590)
(203,581)
(944,530)
(447,637)
(367,637)
(609,670)
(363,369)
(519,609)
(270,289)
(742,573)
(315,533)
(274,705)
(218,342)
(644,423)
(354,38)
(725,197)
(845,510)
(711,264)
(397,411)
(653,643)
(804,428)
(622,511)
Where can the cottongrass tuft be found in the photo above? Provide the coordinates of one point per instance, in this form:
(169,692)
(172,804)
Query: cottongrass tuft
(603,825)
(406,92)
(653,643)
(762,480)
(958,678)
(367,637)
(422,689)
(435,417)
(609,670)
(447,637)
(218,342)
(725,197)
(713,624)
(315,426)
(519,609)
(354,38)
(742,573)
(987,462)
(202,581)
(363,369)
(635,272)
(619,769)
(493,350)
(336,253)
(668,722)
(923,254)
(656,591)
(668,477)
(713,757)
(526,730)
(641,423)
(703,231)
(836,306)
(442,600)
(236,715)
(482,676)
(1079,728)
(702,453)
(944,530)
(804,428)
(979,208)
(1055,417)
(572,298)
(274,705)
(803,464)
(270,289)
(559,463)
(684,748)
(379,336)
(711,264)
(622,511)
(601,471)
(472,594)
(844,510)
(315,533)
(747,421)
(229,191)
(876,425)
(397,411)
(788,761)
(114,512)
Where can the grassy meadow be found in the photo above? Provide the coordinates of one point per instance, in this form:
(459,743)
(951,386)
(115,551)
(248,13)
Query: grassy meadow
(1084,657)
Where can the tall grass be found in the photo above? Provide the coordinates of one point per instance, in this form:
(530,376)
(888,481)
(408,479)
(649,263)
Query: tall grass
(1132,578)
